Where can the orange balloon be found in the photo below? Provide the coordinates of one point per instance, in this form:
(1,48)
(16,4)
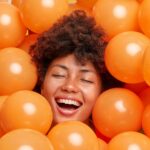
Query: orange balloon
(101,136)
(119,15)
(17,70)
(129,141)
(2,99)
(124,56)
(28,41)
(1,132)
(73,135)
(143,17)
(102,145)
(26,109)
(72,2)
(88,4)
(145,96)
(39,15)
(140,1)
(146,65)
(74,7)
(16,3)
(4,1)
(25,139)
(12,30)
(146,120)
(117,110)
(136,87)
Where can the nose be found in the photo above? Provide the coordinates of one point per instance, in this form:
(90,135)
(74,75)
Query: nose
(70,86)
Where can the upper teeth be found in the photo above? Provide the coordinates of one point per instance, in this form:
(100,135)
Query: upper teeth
(68,101)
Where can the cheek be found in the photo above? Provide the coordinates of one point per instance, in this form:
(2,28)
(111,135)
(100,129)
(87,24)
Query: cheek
(49,88)
(91,93)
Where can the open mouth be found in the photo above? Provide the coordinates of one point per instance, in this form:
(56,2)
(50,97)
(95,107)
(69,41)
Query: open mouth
(67,106)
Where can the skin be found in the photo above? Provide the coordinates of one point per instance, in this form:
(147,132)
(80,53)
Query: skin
(67,81)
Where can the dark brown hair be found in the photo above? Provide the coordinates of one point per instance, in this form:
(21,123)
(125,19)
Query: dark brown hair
(75,34)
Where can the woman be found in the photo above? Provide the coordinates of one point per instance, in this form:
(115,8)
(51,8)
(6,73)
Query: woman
(71,69)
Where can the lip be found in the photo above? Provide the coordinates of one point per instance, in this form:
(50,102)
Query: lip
(67,112)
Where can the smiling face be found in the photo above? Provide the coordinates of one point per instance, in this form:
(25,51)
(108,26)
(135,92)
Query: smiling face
(71,89)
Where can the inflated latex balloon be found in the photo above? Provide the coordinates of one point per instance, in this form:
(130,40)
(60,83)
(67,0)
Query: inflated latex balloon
(143,17)
(117,110)
(26,109)
(146,120)
(28,41)
(39,15)
(146,65)
(88,4)
(16,3)
(25,139)
(12,30)
(1,132)
(102,144)
(140,1)
(2,99)
(116,16)
(145,96)
(129,141)
(101,136)
(74,7)
(124,56)
(73,135)
(4,1)
(136,87)
(72,2)
(17,72)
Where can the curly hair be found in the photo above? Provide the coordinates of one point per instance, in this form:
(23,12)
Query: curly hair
(74,34)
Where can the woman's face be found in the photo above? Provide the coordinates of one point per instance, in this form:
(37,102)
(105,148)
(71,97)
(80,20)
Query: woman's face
(71,89)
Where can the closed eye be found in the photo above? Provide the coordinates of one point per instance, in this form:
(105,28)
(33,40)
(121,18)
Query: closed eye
(58,75)
(87,81)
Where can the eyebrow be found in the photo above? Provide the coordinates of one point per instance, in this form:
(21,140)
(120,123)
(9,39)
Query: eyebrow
(64,67)
(61,66)
(86,70)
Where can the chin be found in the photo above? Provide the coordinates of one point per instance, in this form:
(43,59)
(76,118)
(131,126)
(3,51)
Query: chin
(57,121)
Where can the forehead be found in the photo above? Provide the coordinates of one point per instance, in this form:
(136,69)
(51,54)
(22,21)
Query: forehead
(71,60)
